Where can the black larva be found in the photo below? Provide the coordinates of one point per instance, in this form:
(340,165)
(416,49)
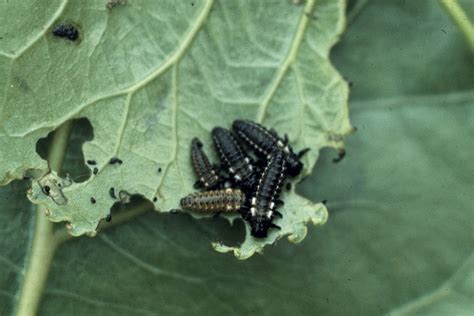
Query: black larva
(66,31)
(225,200)
(112,193)
(340,155)
(91,162)
(233,158)
(205,172)
(264,142)
(260,209)
(93,200)
(115,160)
(95,170)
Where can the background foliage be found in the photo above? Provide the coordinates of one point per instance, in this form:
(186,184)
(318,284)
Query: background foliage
(399,237)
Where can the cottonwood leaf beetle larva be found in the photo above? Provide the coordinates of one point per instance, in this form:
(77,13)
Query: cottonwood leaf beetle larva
(238,164)
(261,206)
(207,175)
(264,142)
(66,31)
(225,200)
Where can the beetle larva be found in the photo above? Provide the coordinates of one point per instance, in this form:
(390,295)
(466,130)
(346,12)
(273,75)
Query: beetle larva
(233,158)
(225,200)
(205,172)
(66,31)
(264,142)
(261,207)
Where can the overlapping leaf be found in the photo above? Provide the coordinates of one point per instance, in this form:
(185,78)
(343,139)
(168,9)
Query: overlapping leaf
(151,76)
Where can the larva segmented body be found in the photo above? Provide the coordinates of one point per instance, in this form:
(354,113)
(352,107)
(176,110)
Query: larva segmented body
(264,142)
(261,207)
(66,31)
(233,158)
(226,200)
(205,172)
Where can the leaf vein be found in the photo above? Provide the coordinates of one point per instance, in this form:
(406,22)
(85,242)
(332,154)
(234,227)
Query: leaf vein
(55,16)
(289,59)
(144,265)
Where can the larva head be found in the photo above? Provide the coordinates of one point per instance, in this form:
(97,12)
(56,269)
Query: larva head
(294,165)
(187,202)
(196,143)
(240,125)
(225,142)
(260,226)
(221,134)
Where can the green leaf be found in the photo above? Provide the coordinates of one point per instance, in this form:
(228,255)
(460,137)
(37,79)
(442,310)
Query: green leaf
(151,77)
(16,223)
(400,227)
(454,297)
(401,217)
(400,203)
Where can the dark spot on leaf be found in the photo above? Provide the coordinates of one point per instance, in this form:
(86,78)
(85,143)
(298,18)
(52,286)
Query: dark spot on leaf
(91,162)
(112,3)
(67,31)
(93,200)
(340,155)
(159,169)
(95,170)
(112,193)
(115,160)
(46,189)
(155,199)
(22,84)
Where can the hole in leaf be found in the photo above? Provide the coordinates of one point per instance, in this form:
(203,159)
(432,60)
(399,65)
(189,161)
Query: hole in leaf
(73,164)
(121,212)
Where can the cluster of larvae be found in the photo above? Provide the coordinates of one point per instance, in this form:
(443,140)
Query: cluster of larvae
(250,185)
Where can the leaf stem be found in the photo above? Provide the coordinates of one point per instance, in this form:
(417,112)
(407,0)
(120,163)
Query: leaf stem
(459,17)
(37,265)
(44,243)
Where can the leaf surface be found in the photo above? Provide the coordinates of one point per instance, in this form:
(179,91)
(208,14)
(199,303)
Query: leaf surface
(149,77)
(400,203)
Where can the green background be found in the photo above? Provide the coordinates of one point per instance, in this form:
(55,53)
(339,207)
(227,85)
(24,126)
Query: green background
(400,234)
